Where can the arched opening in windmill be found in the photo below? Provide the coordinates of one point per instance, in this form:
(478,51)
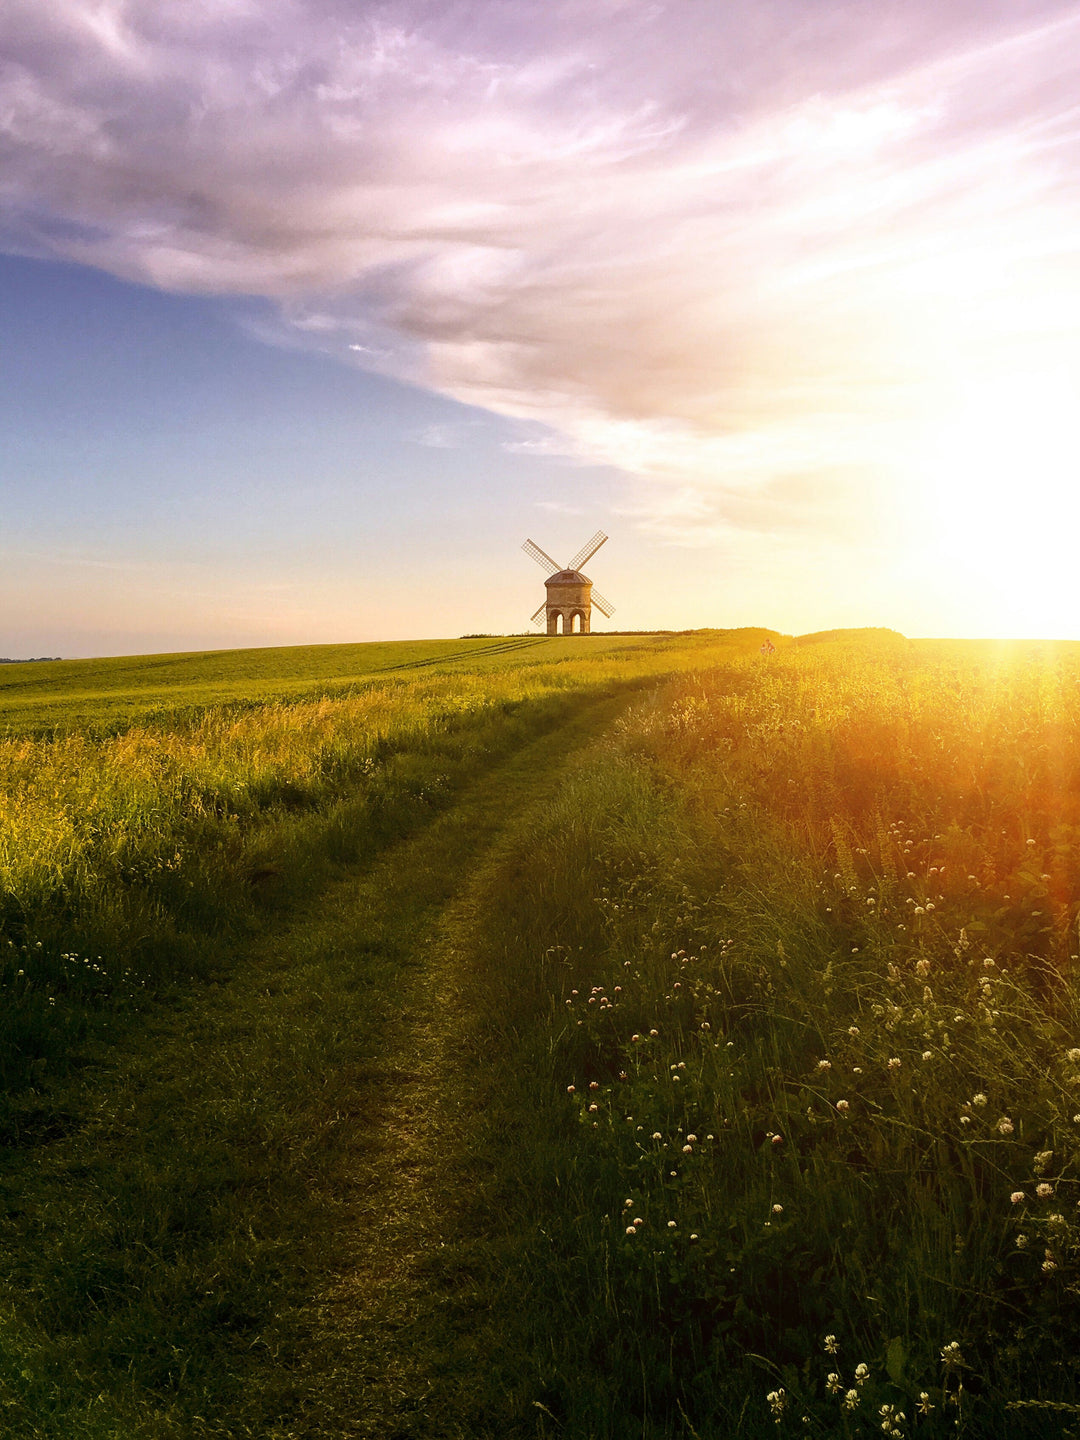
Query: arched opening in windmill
(577,622)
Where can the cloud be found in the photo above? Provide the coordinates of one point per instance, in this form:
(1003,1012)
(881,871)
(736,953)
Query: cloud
(729,249)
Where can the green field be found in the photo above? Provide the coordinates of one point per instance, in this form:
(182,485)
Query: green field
(630,1036)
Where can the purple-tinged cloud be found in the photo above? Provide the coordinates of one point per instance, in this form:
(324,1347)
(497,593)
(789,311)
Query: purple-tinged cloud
(735,248)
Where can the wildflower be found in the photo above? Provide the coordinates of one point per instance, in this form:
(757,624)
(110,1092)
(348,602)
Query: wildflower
(1017,1196)
(657,1135)
(694,1238)
(853,1030)
(593,1108)
(965,1119)
(638,1220)
(687,1149)
(635,1038)
(927,1054)
(831,1347)
(631,1229)
(1073,1055)
(891,1420)
(1031,842)
(924,1403)
(862,1374)
(1021,1242)
(692,1139)
(922,968)
(570,1089)
(1044,1190)
(778,1209)
(843,1106)
(1049,1265)
(1042,1160)
(1005,1126)
(894,1063)
(950,1355)
(777,1139)
(832,1383)
(777,1400)
(979,1099)
(824,1064)
(672,1224)
(851,1400)
(594,1084)
(654,1032)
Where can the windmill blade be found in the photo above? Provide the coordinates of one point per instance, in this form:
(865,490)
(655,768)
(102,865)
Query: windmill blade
(542,558)
(537,619)
(604,606)
(587,551)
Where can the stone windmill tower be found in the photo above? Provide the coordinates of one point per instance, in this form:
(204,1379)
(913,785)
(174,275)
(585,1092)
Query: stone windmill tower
(570,594)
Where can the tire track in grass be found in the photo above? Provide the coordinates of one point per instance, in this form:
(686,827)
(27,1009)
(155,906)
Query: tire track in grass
(392,1355)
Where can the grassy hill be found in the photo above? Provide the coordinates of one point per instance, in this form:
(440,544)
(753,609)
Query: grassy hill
(631,1036)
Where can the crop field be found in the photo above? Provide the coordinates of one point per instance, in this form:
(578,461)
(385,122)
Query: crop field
(615,1037)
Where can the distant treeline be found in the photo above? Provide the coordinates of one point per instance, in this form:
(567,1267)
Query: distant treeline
(32,660)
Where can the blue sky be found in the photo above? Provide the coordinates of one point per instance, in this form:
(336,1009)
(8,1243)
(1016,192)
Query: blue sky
(310,311)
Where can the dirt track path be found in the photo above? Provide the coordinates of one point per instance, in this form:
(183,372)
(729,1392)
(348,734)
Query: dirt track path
(388,1333)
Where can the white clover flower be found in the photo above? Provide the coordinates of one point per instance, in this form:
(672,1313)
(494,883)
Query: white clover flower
(950,1355)
(922,968)
(843,1106)
(777,1399)
(778,1209)
(656,1135)
(1072,1055)
(894,1063)
(1005,1126)
(672,1224)
(631,1230)
(824,1064)
(851,1400)
(927,1054)
(831,1347)
(1017,1196)
(853,1030)
(692,1139)
(1021,1242)
(862,1374)
(1044,1190)
(979,1099)
(832,1383)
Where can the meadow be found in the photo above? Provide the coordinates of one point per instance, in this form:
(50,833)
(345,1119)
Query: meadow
(638,1036)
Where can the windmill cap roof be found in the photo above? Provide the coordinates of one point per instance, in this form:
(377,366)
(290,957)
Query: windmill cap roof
(568,577)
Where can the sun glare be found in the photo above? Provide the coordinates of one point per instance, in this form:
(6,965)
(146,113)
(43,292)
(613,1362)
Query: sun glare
(997,508)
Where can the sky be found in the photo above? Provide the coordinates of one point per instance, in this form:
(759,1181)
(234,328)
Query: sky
(312,310)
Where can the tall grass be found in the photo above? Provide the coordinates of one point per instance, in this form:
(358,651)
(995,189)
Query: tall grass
(809,1139)
(130,853)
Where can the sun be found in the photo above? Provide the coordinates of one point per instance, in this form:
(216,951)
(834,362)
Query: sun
(994,506)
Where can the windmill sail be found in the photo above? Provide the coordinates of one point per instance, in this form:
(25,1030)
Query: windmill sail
(542,558)
(587,551)
(604,606)
(538,618)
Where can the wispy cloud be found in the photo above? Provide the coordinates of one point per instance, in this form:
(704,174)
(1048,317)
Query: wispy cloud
(729,249)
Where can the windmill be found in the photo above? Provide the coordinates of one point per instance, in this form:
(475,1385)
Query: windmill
(570,594)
